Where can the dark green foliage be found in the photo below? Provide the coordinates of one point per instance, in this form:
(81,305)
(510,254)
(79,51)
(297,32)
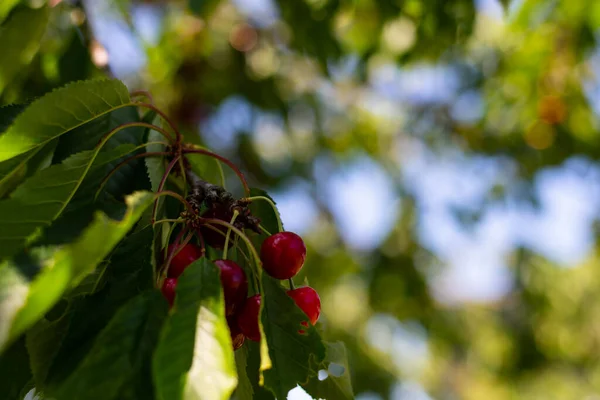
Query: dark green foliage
(15,371)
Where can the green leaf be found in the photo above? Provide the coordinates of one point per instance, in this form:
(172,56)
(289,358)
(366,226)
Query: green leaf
(263,210)
(93,282)
(244,390)
(155,165)
(43,197)
(43,343)
(15,170)
(20,37)
(14,370)
(155,169)
(11,171)
(60,111)
(253,358)
(141,384)
(207,168)
(292,354)
(117,352)
(87,136)
(26,295)
(194,358)
(337,384)
(58,346)
(71,223)
(129,177)
(6,6)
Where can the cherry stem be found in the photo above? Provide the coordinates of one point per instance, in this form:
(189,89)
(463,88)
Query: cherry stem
(224,160)
(158,129)
(238,248)
(235,215)
(142,93)
(105,138)
(291,282)
(220,232)
(161,185)
(126,161)
(184,176)
(160,221)
(153,142)
(178,197)
(163,116)
(240,234)
(141,146)
(246,256)
(273,206)
(119,128)
(254,282)
(262,228)
(186,240)
(202,245)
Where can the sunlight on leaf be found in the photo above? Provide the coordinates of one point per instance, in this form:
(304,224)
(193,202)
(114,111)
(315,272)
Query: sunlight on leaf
(43,197)
(194,358)
(25,298)
(60,111)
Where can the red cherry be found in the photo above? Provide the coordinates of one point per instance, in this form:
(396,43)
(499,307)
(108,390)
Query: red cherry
(237,337)
(168,290)
(211,236)
(184,257)
(283,254)
(235,285)
(308,300)
(248,318)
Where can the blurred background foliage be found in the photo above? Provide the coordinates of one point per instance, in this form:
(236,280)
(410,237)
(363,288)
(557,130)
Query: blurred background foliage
(439,157)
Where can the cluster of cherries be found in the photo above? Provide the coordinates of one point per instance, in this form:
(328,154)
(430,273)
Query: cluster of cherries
(282,256)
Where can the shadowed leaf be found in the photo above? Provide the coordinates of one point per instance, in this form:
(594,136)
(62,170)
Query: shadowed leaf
(293,354)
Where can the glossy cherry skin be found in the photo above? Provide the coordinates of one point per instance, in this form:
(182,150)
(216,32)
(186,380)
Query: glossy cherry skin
(283,254)
(186,256)
(247,319)
(235,285)
(210,236)
(237,337)
(308,300)
(168,290)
